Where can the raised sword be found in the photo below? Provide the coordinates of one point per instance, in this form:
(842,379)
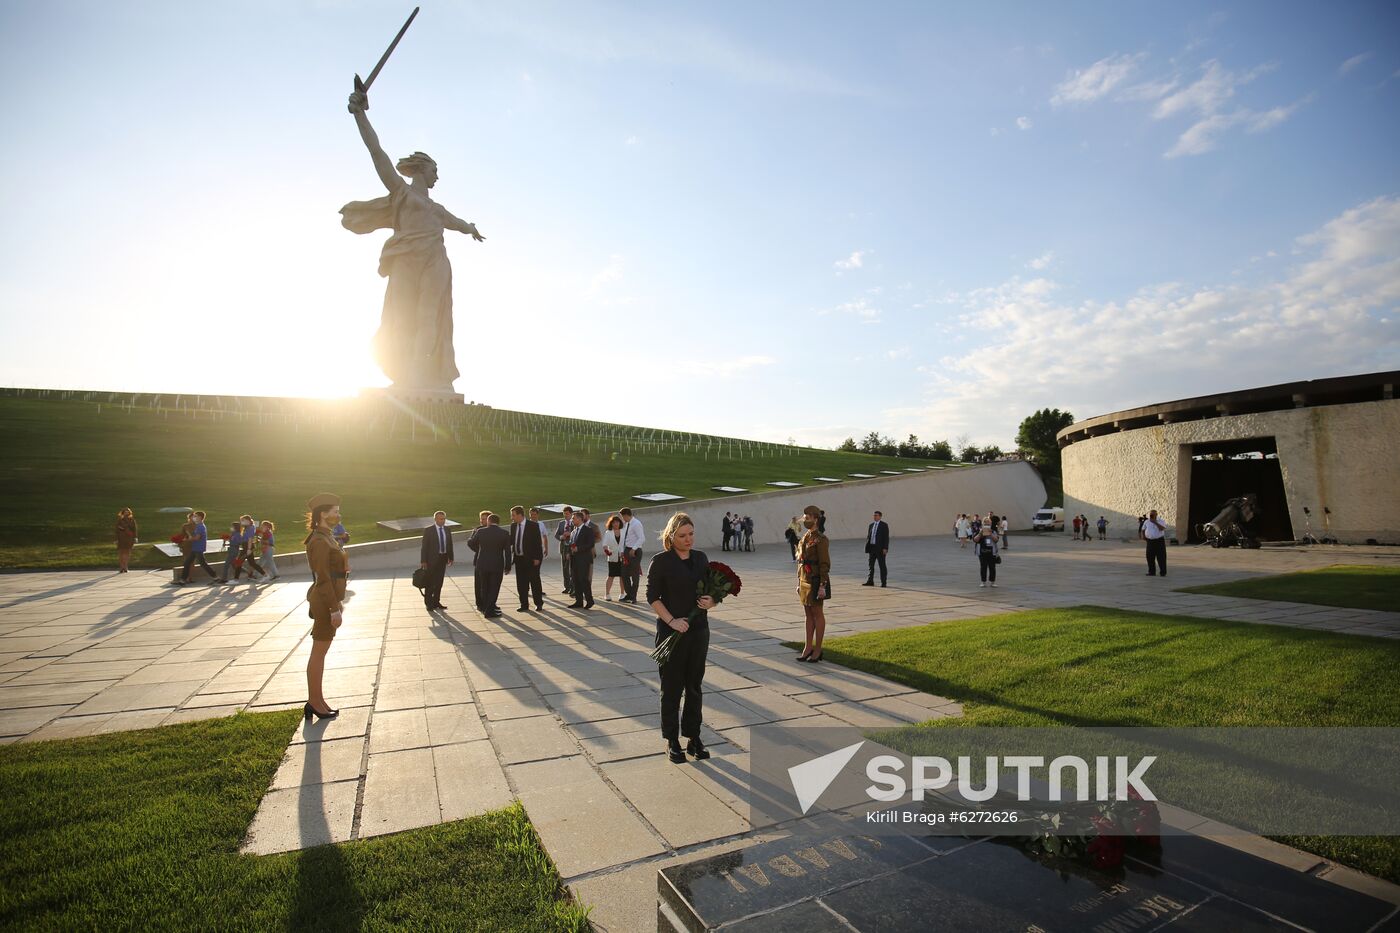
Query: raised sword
(362,87)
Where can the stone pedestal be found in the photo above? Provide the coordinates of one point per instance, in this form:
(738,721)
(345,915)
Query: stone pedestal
(415,396)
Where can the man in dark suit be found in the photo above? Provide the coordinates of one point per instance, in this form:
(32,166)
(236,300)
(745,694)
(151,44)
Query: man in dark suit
(491,543)
(435,556)
(562,532)
(877,545)
(581,550)
(527,548)
(476,577)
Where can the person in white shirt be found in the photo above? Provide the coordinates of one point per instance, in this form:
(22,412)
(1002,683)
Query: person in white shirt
(964,530)
(633,536)
(1005,539)
(1155,531)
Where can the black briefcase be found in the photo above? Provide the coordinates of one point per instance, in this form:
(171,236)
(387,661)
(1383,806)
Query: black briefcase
(420,578)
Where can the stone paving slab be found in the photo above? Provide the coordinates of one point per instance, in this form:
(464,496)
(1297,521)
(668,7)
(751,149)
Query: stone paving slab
(450,714)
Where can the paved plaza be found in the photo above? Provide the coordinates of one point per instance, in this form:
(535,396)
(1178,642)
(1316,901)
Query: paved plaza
(449,715)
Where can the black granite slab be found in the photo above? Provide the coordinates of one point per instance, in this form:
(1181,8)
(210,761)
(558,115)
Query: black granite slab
(772,875)
(842,880)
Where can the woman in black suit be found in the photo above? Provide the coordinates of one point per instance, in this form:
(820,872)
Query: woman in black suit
(671,582)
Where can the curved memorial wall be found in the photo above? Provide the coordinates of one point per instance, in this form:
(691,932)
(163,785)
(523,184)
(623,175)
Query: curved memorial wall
(1328,445)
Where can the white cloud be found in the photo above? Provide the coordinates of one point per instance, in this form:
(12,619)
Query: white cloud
(1023,123)
(1206,99)
(1042,261)
(610,273)
(853,261)
(1097,80)
(1347,66)
(899,353)
(631,141)
(1206,95)
(722,367)
(1203,135)
(1334,313)
(860,308)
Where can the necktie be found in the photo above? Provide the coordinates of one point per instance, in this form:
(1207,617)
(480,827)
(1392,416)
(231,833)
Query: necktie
(874,530)
(519,538)
(442,540)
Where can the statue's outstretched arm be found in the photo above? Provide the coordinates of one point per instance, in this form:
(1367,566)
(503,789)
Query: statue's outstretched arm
(462,226)
(382,165)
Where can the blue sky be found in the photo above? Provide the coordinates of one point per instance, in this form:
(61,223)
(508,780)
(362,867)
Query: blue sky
(769,220)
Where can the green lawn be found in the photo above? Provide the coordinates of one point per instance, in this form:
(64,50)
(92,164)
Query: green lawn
(1092,666)
(1344,585)
(140,830)
(67,468)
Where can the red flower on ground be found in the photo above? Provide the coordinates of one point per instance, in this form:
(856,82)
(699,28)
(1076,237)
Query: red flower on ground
(1106,851)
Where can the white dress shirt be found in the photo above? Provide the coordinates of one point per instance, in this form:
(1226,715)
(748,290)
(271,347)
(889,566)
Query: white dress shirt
(633,535)
(1151,532)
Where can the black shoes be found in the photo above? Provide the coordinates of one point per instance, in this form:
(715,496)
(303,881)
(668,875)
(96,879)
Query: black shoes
(308,711)
(588,605)
(868,583)
(575,606)
(674,752)
(697,749)
(523,609)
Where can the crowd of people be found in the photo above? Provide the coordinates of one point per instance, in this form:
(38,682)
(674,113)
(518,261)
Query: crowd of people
(736,532)
(674,577)
(248,541)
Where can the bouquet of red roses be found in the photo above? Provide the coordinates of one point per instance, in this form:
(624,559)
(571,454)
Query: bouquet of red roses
(719,581)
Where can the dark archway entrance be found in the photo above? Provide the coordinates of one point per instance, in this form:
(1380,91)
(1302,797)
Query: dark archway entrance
(1225,469)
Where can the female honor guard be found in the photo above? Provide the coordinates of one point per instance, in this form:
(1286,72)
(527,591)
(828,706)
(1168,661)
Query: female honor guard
(328,573)
(813,582)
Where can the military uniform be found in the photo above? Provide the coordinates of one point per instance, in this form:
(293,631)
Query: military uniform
(813,568)
(329,569)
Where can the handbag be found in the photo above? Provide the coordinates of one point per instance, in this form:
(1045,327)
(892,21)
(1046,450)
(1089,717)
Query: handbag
(420,578)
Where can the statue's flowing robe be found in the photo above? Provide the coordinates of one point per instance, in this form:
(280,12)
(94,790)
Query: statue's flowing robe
(413,345)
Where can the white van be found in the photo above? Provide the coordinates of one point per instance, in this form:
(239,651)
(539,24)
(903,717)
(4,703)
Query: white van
(1049,520)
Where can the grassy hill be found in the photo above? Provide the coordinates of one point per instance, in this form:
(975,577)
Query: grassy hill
(70,460)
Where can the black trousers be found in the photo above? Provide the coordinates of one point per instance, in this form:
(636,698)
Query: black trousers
(988,563)
(583,578)
(488,588)
(681,677)
(878,557)
(568,562)
(1157,551)
(250,564)
(632,573)
(189,565)
(432,593)
(725,535)
(527,581)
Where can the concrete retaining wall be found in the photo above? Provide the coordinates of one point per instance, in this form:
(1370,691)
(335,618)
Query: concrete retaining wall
(914,504)
(1340,456)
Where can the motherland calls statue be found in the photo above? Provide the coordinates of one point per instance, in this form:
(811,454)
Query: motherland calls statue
(413,345)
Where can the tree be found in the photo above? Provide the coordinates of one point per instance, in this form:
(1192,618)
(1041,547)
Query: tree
(1036,437)
(970,453)
(849,445)
(990,454)
(940,450)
